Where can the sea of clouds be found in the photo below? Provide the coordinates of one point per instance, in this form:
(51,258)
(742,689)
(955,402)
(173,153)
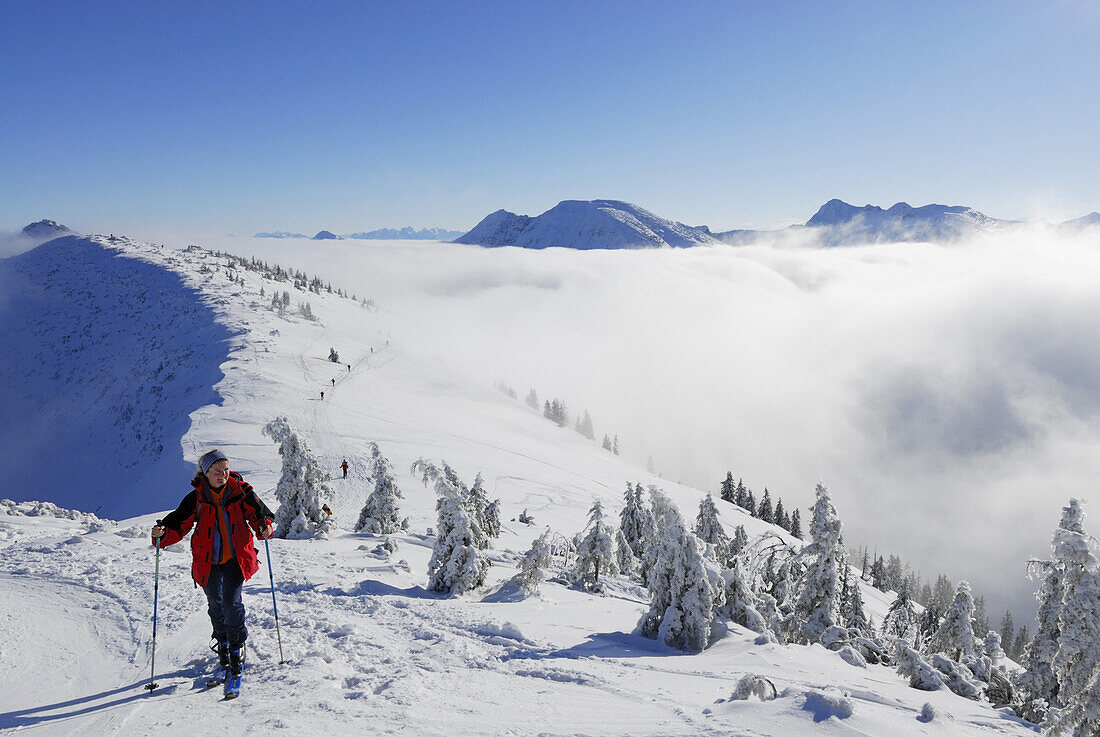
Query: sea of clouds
(947,394)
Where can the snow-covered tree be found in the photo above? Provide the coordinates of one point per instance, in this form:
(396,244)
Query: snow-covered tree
(728,488)
(532,569)
(1008,634)
(739,540)
(584,427)
(680,590)
(456,565)
(636,521)
(816,596)
(764,510)
(532,400)
(624,555)
(942,593)
(919,671)
(380,514)
(477,502)
(879,579)
(596,550)
(606,444)
(707,526)
(955,637)
(796,523)
(901,619)
(1039,682)
(852,614)
(739,604)
(1077,661)
(781,518)
(333,355)
(303,490)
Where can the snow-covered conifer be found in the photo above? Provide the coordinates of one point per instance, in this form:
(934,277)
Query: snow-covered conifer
(456,565)
(707,526)
(955,637)
(595,551)
(1077,661)
(728,488)
(796,523)
(532,569)
(624,555)
(739,603)
(1039,682)
(919,671)
(636,521)
(764,511)
(680,590)
(532,400)
(781,518)
(816,596)
(302,490)
(739,540)
(380,514)
(879,578)
(851,607)
(901,619)
(333,355)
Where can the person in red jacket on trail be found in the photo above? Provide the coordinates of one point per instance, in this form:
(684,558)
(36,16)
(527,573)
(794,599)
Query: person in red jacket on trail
(225,511)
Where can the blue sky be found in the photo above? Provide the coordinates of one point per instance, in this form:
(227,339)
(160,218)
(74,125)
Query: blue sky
(240,117)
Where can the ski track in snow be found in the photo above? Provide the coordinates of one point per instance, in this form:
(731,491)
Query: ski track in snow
(368,650)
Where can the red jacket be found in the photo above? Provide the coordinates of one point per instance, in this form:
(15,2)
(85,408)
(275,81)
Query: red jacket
(245,510)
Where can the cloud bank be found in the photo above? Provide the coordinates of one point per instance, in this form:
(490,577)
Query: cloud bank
(949,395)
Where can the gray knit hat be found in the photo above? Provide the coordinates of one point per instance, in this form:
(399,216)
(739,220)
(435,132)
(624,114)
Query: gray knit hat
(209,459)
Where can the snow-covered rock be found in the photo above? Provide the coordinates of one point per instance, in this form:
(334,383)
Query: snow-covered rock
(45,229)
(586,225)
(838,222)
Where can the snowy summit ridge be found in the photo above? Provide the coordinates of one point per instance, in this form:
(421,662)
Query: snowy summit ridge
(584,224)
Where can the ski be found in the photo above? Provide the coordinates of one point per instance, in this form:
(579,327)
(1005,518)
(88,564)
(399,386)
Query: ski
(217,679)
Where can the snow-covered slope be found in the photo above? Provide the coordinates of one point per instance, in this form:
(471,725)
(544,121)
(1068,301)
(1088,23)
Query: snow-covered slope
(369,650)
(407,233)
(844,223)
(105,356)
(585,225)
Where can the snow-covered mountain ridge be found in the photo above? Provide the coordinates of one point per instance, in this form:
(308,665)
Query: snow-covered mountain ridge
(612,224)
(585,225)
(368,648)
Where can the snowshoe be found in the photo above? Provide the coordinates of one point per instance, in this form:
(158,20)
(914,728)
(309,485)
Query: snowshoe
(233,675)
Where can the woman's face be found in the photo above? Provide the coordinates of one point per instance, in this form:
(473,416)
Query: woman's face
(218,473)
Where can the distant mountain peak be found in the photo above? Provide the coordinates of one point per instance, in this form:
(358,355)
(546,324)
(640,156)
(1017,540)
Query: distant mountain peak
(584,225)
(45,228)
(325,235)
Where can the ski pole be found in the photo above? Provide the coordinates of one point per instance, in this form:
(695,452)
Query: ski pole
(274,606)
(156,587)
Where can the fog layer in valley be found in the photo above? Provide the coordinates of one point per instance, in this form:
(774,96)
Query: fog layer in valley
(948,395)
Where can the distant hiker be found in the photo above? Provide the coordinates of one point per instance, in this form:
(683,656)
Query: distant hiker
(225,511)
(349,368)
(344,466)
(334,381)
(372,349)
(322,395)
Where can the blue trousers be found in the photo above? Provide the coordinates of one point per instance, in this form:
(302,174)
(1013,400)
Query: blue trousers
(223,595)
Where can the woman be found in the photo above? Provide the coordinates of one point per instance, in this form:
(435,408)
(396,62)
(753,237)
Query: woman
(222,508)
